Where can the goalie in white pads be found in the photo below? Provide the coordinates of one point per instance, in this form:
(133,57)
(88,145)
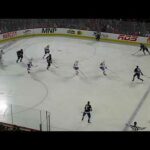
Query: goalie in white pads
(29,65)
(76,67)
(103,67)
(46,50)
(1,55)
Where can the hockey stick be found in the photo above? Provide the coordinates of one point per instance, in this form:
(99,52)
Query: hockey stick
(82,73)
(135,53)
(54,65)
(146,76)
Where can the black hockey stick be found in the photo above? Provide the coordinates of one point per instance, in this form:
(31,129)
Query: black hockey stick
(146,76)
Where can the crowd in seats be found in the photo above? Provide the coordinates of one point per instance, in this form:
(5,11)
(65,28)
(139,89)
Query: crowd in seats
(118,26)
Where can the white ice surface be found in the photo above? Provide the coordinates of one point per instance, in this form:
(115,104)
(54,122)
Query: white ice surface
(114,98)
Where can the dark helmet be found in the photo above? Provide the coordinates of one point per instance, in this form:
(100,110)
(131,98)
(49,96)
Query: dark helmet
(88,102)
(141,44)
(137,66)
(135,123)
(21,49)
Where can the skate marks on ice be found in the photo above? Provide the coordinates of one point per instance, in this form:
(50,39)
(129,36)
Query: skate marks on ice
(39,102)
(111,77)
(67,78)
(3,67)
(141,55)
(135,112)
(134,84)
(35,78)
(75,77)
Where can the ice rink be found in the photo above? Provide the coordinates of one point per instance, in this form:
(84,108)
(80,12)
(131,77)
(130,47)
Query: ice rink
(115,99)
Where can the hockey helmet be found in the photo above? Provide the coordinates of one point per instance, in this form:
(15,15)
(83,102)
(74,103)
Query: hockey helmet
(141,44)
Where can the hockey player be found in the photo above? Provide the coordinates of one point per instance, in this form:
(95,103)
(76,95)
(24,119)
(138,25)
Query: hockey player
(76,67)
(19,55)
(46,50)
(103,67)
(134,127)
(87,110)
(137,72)
(49,61)
(29,65)
(144,48)
(98,36)
(1,55)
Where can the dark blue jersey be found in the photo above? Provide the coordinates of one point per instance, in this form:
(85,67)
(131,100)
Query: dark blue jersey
(143,47)
(20,53)
(138,71)
(49,58)
(87,108)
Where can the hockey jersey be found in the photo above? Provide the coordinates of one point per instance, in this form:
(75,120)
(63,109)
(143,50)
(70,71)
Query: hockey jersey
(138,71)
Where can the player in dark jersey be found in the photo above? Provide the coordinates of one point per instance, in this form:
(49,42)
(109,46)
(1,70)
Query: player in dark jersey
(49,61)
(144,48)
(137,72)
(98,36)
(1,56)
(19,55)
(87,110)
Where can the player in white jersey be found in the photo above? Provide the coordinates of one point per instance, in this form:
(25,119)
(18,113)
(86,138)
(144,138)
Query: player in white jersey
(1,56)
(76,67)
(29,65)
(103,67)
(46,50)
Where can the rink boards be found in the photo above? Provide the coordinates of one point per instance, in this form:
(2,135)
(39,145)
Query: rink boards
(81,34)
